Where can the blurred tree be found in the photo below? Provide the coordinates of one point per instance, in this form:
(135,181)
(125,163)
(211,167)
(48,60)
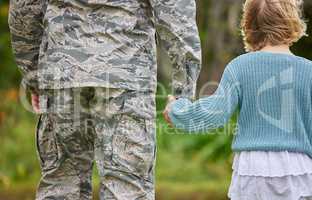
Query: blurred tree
(9,74)
(218,22)
(304,46)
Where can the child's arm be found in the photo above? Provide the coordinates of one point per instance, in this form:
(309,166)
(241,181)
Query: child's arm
(209,112)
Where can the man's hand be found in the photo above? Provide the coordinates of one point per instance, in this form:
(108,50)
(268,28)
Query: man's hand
(167,109)
(35,102)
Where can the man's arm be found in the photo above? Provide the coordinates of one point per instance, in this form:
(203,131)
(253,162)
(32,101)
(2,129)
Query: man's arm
(25,22)
(176,27)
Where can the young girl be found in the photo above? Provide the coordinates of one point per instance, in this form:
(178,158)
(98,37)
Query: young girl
(272,89)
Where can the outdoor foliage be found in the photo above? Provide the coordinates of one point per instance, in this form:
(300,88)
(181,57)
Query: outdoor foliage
(188,166)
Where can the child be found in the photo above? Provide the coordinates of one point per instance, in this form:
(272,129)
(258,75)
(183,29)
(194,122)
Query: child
(272,89)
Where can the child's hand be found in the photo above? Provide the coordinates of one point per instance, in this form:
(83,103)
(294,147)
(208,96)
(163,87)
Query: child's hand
(167,109)
(35,102)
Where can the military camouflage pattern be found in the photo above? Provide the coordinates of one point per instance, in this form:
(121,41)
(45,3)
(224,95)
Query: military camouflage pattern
(104,43)
(71,50)
(108,126)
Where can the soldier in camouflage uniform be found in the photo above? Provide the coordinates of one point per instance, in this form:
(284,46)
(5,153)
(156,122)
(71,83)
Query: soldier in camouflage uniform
(92,63)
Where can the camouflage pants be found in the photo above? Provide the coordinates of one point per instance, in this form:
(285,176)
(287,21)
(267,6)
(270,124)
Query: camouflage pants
(113,127)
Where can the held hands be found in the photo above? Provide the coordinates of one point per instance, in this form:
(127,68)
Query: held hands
(167,109)
(35,102)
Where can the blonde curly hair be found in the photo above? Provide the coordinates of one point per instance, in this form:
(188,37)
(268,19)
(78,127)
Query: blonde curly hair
(272,22)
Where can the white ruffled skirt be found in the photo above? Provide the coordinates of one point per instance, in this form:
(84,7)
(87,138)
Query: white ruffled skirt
(271,176)
(270,188)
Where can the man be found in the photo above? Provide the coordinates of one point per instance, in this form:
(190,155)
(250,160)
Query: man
(91,68)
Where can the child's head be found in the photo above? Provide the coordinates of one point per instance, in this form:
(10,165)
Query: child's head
(272,22)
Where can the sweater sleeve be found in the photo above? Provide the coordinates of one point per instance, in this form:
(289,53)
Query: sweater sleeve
(210,112)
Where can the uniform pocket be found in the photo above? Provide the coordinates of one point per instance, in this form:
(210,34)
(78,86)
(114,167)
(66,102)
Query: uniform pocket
(46,143)
(140,105)
(133,146)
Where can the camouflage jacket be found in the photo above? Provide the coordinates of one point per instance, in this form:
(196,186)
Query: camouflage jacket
(104,43)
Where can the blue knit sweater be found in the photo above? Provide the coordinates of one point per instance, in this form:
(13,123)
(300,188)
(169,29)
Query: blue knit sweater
(272,92)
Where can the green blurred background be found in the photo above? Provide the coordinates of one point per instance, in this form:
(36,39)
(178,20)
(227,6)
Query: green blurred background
(188,166)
